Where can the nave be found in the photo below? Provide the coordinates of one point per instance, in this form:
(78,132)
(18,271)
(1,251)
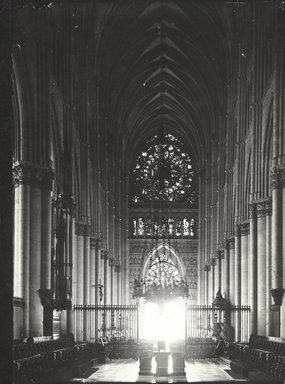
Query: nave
(146,151)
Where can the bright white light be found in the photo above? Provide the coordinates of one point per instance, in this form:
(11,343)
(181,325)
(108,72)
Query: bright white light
(164,321)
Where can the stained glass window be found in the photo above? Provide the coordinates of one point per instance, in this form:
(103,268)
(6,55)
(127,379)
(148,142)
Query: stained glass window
(163,172)
(163,272)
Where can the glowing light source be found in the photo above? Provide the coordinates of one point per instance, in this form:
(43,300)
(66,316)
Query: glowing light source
(164,321)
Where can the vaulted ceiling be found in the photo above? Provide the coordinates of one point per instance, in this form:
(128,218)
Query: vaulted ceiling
(164,64)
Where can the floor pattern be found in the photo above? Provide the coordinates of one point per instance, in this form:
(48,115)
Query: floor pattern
(126,370)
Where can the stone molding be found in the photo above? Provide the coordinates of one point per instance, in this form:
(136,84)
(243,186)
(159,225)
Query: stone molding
(264,207)
(34,175)
(82,229)
(278,177)
(231,243)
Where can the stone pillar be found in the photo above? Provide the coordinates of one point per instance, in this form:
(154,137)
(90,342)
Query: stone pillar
(118,273)
(93,271)
(277,260)
(111,274)
(252,268)
(231,245)
(226,276)
(80,269)
(97,270)
(237,282)
(268,274)
(86,297)
(207,295)
(263,209)
(213,278)
(22,253)
(244,232)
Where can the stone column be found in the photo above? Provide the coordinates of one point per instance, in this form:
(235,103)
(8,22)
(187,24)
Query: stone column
(22,246)
(244,233)
(97,270)
(237,283)
(226,276)
(118,272)
(282,309)
(86,298)
(111,275)
(231,245)
(252,268)
(213,278)
(207,295)
(277,260)
(263,209)
(93,271)
(268,273)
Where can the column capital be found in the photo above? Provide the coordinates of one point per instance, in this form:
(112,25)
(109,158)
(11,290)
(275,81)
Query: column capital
(231,242)
(25,173)
(252,210)
(264,207)
(207,268)
(66,202)
(242,228)
(277,295)
(278,177)
(93,242)
(82,229)
(46,296)
(117,267)
(220,253)
(213,261)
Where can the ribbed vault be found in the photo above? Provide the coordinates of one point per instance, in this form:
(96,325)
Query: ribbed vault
(164,64)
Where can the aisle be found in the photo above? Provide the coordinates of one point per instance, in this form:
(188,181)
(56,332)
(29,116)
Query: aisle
(126,370)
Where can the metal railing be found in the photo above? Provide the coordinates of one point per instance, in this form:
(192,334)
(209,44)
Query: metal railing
(118,322)
(201,320)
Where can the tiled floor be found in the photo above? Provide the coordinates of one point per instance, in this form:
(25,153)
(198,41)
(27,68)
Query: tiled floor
(196,371)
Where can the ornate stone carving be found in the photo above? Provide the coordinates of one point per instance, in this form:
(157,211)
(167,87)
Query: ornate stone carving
(264,207)
(278,177)
(118,267)
(220,254)
(231,242)
(33,175)
(244,228)
(252,209)
(219,300)
(277,295)
(82,229)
